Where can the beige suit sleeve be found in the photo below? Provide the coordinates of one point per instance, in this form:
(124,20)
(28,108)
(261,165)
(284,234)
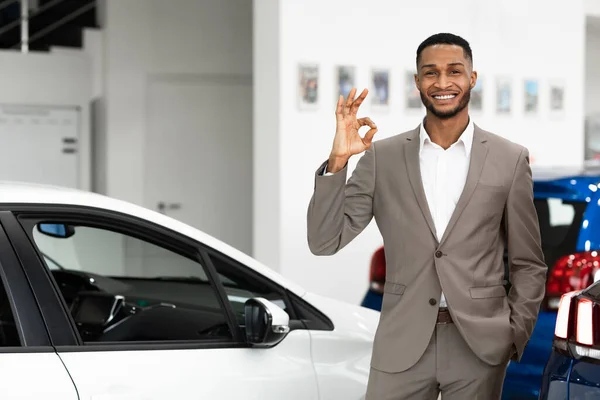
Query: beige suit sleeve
(526,259)
(339,211)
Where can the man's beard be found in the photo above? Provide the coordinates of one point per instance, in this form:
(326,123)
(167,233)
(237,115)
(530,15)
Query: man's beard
(464,102)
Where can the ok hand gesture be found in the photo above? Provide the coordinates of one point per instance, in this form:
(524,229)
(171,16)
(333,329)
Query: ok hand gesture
(347,141)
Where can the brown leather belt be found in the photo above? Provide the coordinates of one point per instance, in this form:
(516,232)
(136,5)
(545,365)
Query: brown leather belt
(444,316)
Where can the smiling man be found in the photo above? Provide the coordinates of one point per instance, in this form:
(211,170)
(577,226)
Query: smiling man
(448,198)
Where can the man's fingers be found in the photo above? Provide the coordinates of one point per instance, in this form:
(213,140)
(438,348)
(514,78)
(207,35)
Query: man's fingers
(349,101)
(339,110)
(369,136)
(366,121)
(358,101)
(363,95)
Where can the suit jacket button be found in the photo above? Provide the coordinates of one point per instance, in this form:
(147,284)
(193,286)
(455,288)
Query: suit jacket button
(438,254)
(433,302)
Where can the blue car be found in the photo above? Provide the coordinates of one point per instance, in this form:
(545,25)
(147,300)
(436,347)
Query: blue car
(568,207)
(573,370)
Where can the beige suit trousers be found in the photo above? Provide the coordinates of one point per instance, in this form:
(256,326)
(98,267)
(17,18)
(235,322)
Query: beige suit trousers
(448,366)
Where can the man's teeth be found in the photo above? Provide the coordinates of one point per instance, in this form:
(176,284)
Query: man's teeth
(448,97)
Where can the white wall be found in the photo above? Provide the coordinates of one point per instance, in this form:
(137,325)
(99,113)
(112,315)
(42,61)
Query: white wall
(51,79)
(516,38)
(154,37)
(93,46)
(592,66)
(592,8)
(266,130)
(592,83)
(93,51)
(175,40)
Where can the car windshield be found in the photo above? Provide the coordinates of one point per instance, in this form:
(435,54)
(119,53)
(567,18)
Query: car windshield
(51,263)
(560,221)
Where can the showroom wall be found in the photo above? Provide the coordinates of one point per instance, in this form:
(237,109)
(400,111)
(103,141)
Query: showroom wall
(514,39)
(93,53)
(43,79)
(592,86)
(267,180)
(592,7)
(181,48)
(592,63)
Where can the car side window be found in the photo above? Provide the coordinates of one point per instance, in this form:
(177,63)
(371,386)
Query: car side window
(9,335)
(240,285)
(121,288)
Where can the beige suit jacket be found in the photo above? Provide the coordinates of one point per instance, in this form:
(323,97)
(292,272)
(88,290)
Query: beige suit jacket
(494,210)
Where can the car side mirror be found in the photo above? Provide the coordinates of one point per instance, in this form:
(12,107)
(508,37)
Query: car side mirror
(266,323)
(61,231)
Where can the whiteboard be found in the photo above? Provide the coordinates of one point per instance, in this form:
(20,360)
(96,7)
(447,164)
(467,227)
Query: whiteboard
(39,144)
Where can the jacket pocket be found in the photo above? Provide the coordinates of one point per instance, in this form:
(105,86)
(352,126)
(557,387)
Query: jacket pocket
(484,292)
(394,288)
(492,188)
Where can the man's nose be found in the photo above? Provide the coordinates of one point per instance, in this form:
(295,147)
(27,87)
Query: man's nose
(443,82)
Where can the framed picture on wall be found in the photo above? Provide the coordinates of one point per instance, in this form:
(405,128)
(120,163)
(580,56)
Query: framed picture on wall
(532,92)
(503,95)
(308,86)
(345,80)
(556,92)
(380,83)
(413,97)
(476,103)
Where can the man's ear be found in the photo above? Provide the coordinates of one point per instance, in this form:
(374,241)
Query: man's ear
(473,79)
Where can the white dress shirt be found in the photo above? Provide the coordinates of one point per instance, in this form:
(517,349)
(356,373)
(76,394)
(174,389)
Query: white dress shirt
(444,173)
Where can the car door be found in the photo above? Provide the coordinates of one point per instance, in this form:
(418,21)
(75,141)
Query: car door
(150,316)
(29,366)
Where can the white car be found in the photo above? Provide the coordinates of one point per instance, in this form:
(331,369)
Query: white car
(102,299)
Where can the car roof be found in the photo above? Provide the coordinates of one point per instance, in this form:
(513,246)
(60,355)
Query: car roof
(33,193)
(588,170)
(575,183)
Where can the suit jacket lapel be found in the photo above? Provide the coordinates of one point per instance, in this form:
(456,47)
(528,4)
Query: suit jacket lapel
(478,155)
(413,167)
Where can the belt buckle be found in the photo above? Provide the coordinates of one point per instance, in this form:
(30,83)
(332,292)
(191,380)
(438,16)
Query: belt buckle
(443,310)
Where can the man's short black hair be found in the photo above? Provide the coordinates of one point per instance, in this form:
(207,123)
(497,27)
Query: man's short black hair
(445,38)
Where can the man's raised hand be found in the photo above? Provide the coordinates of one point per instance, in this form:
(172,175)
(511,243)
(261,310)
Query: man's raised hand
(347,141)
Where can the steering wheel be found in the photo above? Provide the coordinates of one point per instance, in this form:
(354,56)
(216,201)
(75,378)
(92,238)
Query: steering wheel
(71,283)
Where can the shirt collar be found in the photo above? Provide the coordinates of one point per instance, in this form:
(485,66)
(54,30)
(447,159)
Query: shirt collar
(466,137)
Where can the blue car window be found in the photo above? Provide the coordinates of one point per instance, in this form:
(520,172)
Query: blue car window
(560,221)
